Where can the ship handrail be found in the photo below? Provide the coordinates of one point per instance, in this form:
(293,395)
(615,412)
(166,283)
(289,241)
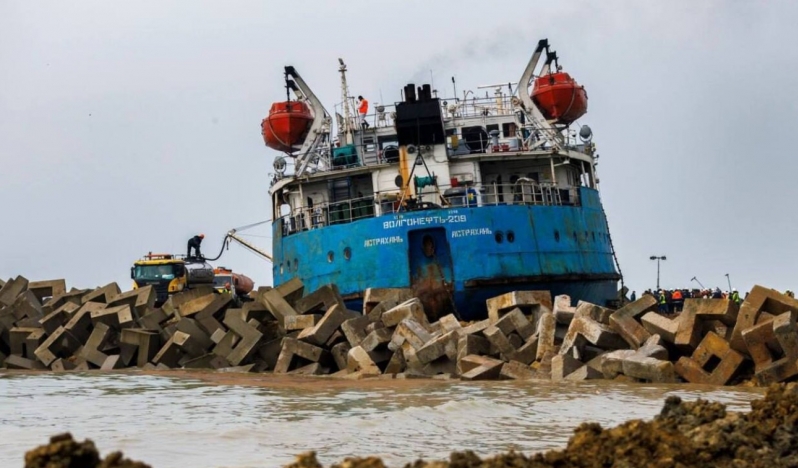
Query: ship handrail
(324,214)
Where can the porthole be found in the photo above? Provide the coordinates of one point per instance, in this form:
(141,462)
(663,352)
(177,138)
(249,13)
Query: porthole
(347,253)
(594,236)
(330,256)
(428,246)
(510,236)
(296,264)
(281,268)
(499,237)
(576,239)
(557,236)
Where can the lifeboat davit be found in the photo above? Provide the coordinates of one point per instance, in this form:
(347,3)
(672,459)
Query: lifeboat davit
(560,97)
(287,125)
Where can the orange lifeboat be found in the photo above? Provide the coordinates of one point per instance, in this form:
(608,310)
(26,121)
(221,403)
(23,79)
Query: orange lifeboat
(560,97)
(286,125)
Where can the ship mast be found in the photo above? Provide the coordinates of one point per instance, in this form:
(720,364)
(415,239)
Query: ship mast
(345,97)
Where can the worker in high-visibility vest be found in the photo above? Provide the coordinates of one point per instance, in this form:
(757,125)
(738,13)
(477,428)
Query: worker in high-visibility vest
(363,109)
(663,303)
(735,297)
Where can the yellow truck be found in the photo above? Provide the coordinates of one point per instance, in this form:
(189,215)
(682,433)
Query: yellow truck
(170,274)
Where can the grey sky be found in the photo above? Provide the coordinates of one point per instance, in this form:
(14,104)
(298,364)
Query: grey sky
(127,127)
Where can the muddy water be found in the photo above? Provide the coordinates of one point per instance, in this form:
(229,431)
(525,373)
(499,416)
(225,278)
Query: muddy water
(211,420)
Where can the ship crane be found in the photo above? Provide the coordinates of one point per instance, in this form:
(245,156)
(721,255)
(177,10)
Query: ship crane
(317,141)
(529,108)
(231,235)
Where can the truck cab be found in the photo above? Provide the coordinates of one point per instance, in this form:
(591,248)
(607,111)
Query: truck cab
(169,274)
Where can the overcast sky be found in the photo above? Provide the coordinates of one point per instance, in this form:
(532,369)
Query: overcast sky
(127,127)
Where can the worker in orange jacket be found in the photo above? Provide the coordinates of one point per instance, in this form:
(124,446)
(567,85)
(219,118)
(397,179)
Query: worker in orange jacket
(363,109)
(677,300)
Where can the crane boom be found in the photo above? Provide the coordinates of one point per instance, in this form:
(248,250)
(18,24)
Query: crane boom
(232,235)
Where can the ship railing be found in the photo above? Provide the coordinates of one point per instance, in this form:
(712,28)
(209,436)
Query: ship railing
(328,214)
(321,215)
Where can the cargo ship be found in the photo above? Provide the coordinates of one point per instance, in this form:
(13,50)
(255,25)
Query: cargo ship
(460,198)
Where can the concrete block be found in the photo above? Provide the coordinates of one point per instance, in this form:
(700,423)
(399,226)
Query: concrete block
(153,319)
(112,362)
(530,302)
(320,300)
(443,345)
(624,322)
(140,300)
(60,343)
(116,317)
(499,340)
(396,364)
(313,368)
(410,309)
(515,370)
(515,321)
(324,329)
(373,296)
(225,346)
(547,326)
(19,362)
(102,295)
(611,363)
(480,367)
(191,327)
(61,365)
(598,313)
(762,345)
(656,324)
(251,338)
(360,361)
(207,361)
(722,310)
(17,338)
(147,342)
(564,312)
(688,334)
(340,354)
(785,354)
(11,289)
(584,373)
(475,327)
(378,338)
(276,304)
(59,317)
(61,299)
(649,369)
(713,362)
(188,345)
(785,330)
(291,291)
(527,352)
(354,330)
(27,305)
(168,355)
(198,304)
(471,345)
(176,301)
(413,333)
(562,365)
(592,332)
(301,322)
(33,341)
(449,323)
(759,300)
(47,288)
(291,348)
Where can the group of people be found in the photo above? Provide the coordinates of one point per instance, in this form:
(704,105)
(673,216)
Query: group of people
(672,300)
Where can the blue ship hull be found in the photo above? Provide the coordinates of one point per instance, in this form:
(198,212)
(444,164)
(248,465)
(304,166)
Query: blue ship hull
(456,258)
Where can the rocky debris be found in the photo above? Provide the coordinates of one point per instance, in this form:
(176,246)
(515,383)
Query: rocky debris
(64,452)
(527,335)
(684,435)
